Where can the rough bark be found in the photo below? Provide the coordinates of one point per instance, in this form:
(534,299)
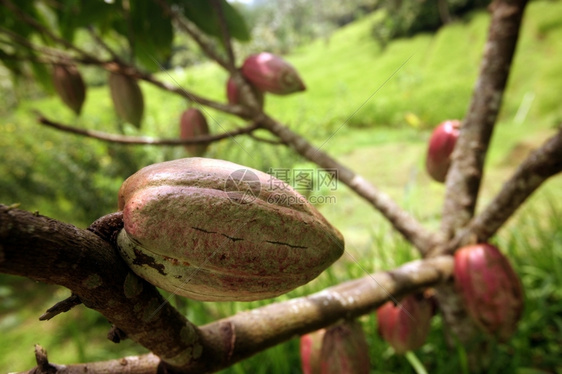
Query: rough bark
(465,174)
(541,164)
(50,251)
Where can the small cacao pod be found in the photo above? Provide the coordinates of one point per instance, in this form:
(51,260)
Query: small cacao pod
(441,145)
(214,230)
(127,98)
(310,348)
(345,350)
(192,125)
(235,98)
(490,288)
(339,349)
(70,86)
(270,73)
(405,326)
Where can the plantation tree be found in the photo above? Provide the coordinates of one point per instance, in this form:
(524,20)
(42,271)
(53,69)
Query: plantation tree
(125,44)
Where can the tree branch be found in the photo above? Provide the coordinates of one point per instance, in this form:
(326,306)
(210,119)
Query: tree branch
(192,31)
(47,250)
(465,174)
(124,139)
(402,221)
(540,165)
(225,35)
(50,251)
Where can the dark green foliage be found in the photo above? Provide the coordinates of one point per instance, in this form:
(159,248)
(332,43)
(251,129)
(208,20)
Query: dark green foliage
(202,14)
(406,18)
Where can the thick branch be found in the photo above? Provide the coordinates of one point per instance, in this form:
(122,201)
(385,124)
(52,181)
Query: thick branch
(541,164)
(465,174)
(124,139)
(402,221)
(49,251)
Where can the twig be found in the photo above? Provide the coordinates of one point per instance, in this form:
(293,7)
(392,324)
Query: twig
(402,221)
(61,307)
(225,35)
(104,45)
(192,31)
(136,140)
(465,174)
(265,140)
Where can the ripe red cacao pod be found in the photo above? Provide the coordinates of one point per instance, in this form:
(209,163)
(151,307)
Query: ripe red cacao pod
(441,145)
(339,349)
(192,125)
(127,98)
(70,86)
(490,288)
(405,326)
(214,230)
(234,96)
(270,73)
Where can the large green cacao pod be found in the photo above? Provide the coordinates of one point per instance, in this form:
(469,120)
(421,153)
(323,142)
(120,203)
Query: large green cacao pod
(214,230)
(127,98)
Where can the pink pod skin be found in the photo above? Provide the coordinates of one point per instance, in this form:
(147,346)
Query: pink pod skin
(490,288)
(441,145)
(212,230)
(405,326)
(192,125)
(235,98)
(270,73)
(310,348)
(338,349)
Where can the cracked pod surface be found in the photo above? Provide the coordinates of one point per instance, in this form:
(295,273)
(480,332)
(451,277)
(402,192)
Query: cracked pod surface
(214,230)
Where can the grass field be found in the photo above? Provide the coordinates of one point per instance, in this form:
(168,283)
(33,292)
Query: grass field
(373,109)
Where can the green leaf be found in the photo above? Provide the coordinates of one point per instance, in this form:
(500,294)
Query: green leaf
(202,14)
(152,34)
(75,14)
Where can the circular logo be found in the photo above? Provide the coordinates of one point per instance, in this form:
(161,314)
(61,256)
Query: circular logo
(242,186)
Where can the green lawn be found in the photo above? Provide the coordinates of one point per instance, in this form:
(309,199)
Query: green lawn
(373,109)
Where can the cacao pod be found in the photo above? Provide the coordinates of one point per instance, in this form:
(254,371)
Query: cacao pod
(70,86)
(405,326)
(235,98)
(339,349)
(310,348)
(441,145)
(127,98)
(490,288)
(192,125)
(270,73)
(214,230)
(345,350)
